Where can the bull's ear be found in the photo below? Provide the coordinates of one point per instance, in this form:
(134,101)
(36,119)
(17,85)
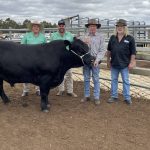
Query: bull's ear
(67,43)
(75,38)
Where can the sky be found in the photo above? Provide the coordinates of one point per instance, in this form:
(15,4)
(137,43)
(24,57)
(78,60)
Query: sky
(54,10)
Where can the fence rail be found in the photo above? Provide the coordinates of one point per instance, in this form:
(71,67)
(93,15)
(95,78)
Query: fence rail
(140,85)
(141,33)
(140,80)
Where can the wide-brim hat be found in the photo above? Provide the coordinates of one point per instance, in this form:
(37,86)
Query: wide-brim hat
(121,22)
(35,22)
(93,22)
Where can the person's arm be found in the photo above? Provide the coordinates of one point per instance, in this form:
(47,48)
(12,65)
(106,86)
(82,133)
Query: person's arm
(45,39)
(108,54)
(132,62)
(101,53)
(52,37)
(108,58)
(24,39)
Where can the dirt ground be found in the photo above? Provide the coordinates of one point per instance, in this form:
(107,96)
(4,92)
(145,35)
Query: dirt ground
(71,125)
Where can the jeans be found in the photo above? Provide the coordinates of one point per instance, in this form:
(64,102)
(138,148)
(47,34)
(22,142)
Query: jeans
(114,82)
(95,76)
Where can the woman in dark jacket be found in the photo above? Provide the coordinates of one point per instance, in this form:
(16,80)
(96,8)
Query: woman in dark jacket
(121,58)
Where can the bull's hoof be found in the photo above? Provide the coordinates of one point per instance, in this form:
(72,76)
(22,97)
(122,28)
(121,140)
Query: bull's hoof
(6,101)
(44,107)
(25,105)
(45,110)
(48,105)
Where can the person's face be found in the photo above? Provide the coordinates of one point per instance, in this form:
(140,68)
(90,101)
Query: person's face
(120,29)
(61,28)
(35,28)
(92,29)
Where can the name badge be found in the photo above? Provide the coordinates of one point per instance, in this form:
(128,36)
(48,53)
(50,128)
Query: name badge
(126,41)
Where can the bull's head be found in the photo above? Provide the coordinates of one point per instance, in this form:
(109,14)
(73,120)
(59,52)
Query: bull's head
(80,49)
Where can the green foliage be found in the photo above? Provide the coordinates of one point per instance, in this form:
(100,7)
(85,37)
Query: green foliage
(9,23)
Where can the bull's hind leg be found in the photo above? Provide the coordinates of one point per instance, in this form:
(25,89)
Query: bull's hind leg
(44,100)
(44,90)
(2,93)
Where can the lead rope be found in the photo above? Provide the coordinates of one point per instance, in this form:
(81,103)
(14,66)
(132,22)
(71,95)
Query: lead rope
(81,57)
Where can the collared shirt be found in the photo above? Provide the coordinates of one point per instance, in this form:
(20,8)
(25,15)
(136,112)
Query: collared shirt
(30,38)
(97,45)
(57,36)
(121,51)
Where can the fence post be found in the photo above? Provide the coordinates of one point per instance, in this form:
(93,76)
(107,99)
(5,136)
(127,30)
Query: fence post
(10,33)
(148,32)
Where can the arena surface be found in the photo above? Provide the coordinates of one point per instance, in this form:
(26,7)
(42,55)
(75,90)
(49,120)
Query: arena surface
(71,125)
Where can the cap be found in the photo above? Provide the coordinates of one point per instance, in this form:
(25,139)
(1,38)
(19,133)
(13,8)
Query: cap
(61,22)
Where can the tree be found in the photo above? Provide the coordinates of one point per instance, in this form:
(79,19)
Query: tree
(48,25)
(26,22)
(7,23)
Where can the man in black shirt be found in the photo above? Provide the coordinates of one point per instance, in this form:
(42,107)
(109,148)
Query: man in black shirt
(121,53)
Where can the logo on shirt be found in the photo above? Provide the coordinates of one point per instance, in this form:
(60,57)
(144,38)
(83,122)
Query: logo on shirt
(126,41)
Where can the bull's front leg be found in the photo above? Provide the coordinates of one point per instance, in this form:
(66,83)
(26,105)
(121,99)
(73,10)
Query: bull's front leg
(2,93)
(44,90)
(44,102)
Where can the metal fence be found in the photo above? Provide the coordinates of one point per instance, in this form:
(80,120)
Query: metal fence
(141,33)
(140,85)
(140,79)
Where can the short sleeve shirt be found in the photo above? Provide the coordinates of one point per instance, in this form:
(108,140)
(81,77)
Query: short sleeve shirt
(121,51)
(29,38)
(57,36)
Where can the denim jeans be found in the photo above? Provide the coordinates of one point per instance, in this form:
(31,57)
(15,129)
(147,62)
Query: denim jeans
(95,77)
(114,82)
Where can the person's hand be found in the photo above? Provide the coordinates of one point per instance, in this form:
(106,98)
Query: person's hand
(96,63)
(87,40)
(132,65)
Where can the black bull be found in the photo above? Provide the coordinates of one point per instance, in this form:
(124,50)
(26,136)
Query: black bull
(44,64)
